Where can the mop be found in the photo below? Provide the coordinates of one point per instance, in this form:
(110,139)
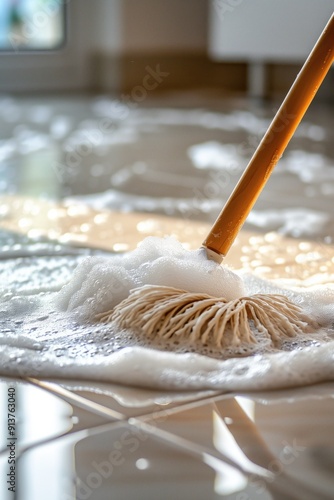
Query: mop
(167,312)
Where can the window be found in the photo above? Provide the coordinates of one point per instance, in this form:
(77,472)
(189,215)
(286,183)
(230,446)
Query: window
(45,45)
(32,25)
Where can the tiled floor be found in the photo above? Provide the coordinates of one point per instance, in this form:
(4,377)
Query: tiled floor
(180,156)
(75,443)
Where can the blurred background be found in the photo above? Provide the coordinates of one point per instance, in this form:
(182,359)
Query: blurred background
(156,106)
(153,106)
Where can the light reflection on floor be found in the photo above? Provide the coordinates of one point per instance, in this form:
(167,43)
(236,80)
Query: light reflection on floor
(255,446)
(167,156)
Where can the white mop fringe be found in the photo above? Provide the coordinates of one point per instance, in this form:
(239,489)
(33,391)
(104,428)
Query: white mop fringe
(169,312)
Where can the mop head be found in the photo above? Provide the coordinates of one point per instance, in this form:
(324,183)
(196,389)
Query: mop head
(168,312)
(162,290)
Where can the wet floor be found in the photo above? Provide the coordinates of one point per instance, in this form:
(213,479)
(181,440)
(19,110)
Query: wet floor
(179,155)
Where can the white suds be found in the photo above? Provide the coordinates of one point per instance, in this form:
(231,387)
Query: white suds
(99,284)
(48,332)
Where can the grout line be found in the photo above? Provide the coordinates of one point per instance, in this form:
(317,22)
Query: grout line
(79,401)
(106,412)
(205,454)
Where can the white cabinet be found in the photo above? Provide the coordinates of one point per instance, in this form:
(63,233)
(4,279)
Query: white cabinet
(259,31)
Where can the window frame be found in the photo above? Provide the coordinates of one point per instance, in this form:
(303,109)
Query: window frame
(63,68)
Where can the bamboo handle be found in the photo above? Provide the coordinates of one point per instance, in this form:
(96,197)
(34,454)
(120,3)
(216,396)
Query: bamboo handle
(272,146)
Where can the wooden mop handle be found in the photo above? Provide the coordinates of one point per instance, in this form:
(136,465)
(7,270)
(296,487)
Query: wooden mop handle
(272,146)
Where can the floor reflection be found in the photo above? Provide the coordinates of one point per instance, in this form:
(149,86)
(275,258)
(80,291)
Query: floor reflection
(182,161)
(80,445)
(37,417)
(167,157)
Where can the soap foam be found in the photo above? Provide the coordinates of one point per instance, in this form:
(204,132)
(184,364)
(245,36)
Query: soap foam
(100,283)
(48,328)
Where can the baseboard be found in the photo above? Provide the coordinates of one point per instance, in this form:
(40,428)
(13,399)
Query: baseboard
(129,72)
(139,74)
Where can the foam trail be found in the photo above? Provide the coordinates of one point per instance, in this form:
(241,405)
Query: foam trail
(47,327)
